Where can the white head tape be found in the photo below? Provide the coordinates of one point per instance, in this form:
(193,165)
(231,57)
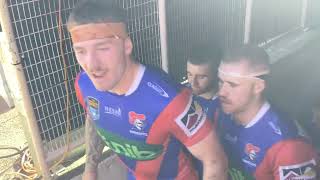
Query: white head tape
(238,75)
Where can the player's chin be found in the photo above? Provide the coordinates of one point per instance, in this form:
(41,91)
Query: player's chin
(102,86)
(226,108)
(196,91)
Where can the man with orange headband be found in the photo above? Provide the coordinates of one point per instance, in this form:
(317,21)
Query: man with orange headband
(259,141)
(136,110)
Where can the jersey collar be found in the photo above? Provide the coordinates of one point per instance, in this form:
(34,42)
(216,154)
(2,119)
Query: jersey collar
(137,80)
(265,107)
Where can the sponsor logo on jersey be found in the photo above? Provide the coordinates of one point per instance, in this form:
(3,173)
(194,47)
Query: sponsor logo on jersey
(236,174)
(275,128)
(232,139)
(139,123)
(251,151)
(194,119)
(113,111)
(130,148)
(305,171)
(93,107)
(158,89)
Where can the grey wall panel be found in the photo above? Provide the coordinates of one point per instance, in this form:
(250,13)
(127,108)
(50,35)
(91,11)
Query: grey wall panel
(273,17)
(191,22)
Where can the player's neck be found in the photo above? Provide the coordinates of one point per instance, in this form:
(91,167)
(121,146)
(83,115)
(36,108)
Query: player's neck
(247,115)
(128,78)
(210,94)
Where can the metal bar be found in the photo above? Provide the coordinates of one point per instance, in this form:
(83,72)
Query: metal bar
(247,23)
(32,127)
(163,35)
(304,11)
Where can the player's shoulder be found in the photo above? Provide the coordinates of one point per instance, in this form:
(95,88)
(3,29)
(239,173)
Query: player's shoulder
(82,78)
(290,159)
(278,124)
(160,82)
(294,155)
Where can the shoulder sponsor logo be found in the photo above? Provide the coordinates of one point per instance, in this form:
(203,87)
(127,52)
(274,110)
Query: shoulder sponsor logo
(113,111)
(93,107)
(194,119)
(139,123)
(158,89)
(276,128)
(305,171)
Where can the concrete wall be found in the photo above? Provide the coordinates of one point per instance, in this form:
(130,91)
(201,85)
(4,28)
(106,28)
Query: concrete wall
(6,100)
(8,81)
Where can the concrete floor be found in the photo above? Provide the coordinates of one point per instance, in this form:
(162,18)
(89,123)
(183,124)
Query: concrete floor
(11,135)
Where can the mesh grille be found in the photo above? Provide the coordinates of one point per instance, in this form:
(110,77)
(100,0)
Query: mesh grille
(35,24)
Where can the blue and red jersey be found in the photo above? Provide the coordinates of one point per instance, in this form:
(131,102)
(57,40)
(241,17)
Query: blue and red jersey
(269,147)
(210,107)
(149,125)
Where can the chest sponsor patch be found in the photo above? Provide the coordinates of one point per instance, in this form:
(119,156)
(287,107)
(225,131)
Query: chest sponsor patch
(236,174)
(251,152)
(93,107)
(133,149)
(305,171)
(193,120)
(115,111)
(138,122)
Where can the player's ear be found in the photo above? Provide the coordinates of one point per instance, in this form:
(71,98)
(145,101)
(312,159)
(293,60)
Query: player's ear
(128,46)
(259,86)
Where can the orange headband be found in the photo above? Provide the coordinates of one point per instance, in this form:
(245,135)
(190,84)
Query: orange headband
(98,31)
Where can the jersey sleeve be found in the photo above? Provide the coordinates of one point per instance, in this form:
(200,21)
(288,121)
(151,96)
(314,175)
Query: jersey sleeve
(189,122)
(78,91)
(289,159)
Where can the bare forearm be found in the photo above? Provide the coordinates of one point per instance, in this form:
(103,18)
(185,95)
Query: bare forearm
(94,146)
(214,160)
(214,170)
(215,166)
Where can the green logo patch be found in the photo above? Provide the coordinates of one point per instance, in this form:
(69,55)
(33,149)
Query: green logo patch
(130,148)
(235,174)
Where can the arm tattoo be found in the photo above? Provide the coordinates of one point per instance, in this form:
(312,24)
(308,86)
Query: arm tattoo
(94,146)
